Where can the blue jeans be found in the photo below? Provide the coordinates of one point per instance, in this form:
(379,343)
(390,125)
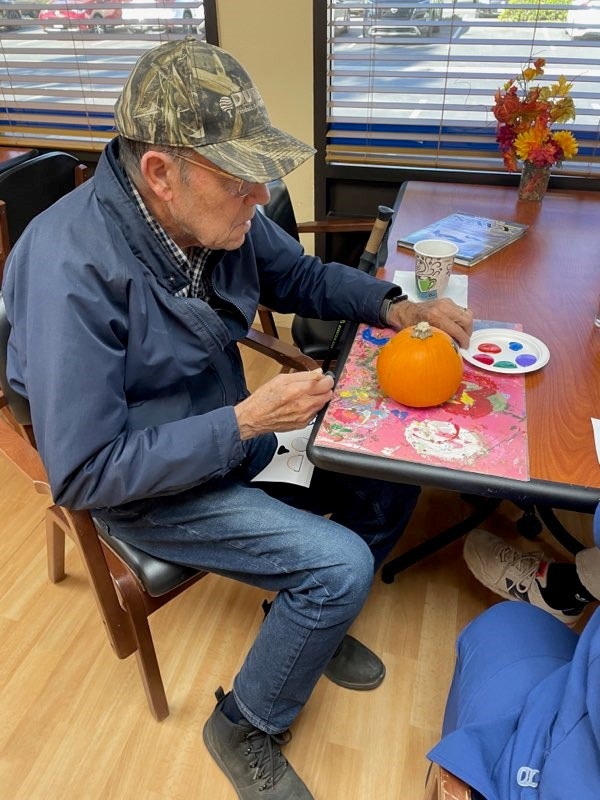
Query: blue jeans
(320,568)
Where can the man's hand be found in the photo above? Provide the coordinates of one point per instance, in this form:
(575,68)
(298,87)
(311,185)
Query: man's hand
(284,403)
(443,313)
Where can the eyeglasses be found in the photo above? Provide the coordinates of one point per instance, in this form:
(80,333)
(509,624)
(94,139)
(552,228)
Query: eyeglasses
(243,187)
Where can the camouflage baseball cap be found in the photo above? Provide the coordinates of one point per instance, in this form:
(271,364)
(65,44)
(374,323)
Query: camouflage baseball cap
(189,93)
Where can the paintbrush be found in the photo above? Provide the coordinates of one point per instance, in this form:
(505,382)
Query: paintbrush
(367,263)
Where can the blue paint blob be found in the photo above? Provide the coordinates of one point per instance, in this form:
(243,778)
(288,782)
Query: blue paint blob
(368,336)
(515,345)
(525,360)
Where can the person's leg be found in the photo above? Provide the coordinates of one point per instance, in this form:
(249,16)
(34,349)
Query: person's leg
(321,571)
(587,563)
(503,654)
(532,577)
(378,511)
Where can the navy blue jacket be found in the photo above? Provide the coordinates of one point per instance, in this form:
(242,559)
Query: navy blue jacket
(131,388)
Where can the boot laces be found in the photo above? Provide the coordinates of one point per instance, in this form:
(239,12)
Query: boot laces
(267,760)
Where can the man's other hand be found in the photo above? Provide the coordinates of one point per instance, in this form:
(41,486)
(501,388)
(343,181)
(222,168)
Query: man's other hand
(443,313)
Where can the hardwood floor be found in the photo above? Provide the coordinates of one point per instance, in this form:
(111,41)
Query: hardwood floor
(74,724)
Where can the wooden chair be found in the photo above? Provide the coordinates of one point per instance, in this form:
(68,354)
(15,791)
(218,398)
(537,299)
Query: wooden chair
(443,785)
(311,336)
(31,187)
(128,584)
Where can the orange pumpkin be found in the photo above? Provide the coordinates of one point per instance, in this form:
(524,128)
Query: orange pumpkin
(420,366)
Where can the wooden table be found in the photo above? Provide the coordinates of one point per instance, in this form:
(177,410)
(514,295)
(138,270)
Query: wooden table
(11,156)
(549,281)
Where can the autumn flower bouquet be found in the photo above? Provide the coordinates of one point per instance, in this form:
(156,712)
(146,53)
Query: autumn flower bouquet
(526,115)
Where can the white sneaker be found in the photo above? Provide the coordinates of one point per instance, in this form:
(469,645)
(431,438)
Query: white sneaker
(511,573)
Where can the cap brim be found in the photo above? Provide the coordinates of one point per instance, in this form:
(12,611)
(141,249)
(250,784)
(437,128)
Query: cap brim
(265,156)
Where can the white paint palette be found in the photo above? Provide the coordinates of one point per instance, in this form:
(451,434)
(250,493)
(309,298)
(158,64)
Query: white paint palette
(506,350)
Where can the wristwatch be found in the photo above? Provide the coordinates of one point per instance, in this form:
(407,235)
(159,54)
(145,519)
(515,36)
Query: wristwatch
(386,306)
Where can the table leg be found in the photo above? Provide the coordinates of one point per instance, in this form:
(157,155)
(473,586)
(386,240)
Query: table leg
(485,507)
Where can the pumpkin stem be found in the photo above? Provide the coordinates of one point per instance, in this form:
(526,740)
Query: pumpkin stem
(422,330)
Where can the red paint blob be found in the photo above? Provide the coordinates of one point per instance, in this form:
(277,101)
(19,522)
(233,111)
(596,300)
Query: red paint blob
(483,359)
(489,347)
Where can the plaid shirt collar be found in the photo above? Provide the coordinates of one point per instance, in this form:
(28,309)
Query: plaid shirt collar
(192,265)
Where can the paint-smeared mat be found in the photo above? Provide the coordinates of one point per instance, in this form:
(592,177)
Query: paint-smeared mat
(482,428)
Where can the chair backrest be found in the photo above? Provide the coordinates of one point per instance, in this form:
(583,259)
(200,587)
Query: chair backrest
(280,208)
(31,187)
(34,185)
(13,156)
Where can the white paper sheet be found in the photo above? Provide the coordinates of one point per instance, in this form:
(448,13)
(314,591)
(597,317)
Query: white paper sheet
(457,286)
(290,463)
(596,429)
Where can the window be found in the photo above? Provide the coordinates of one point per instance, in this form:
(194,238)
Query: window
(63,62)
(412,82)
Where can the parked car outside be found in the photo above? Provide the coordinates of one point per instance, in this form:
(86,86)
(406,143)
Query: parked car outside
(152,15)
(59,16)
(341,18)
(384,18)
(346,12)
(587,14)
(488,8)
(7,11)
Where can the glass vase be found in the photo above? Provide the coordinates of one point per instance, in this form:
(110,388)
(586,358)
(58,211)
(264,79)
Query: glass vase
(534,182)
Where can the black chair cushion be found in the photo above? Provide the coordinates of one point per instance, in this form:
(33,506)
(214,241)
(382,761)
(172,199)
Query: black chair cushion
(156,576)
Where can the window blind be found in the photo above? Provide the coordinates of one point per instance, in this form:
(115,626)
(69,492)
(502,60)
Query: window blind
(412,83)
(63,64)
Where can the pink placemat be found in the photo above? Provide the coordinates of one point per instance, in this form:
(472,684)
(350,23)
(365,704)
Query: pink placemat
(483,428)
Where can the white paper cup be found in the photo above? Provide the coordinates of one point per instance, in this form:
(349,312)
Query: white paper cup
(434,259)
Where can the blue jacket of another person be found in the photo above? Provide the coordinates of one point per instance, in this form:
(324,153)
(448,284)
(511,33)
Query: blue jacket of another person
(556,734)
(132,388)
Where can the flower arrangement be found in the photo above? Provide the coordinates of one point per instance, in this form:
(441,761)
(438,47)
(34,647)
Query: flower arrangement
(526,114)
